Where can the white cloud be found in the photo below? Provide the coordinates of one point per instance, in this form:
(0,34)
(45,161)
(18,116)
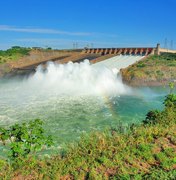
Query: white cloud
(54,31)
(67,42)
(42,31)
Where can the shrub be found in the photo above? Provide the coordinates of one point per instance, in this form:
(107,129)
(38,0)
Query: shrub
(24,139)
(170,101)
(140,65)
(152,117)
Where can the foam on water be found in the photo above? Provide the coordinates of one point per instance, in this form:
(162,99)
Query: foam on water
(56,82)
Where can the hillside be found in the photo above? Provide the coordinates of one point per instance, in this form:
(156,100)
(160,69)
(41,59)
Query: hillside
(19,57)
(152,71)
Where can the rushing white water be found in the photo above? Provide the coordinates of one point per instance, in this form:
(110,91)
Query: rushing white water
(54,85)
(76,79)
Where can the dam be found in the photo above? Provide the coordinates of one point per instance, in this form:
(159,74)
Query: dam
(93,55)
(112,58)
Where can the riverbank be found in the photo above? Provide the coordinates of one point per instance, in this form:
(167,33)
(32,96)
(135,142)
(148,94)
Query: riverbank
(146,151)
(153,70)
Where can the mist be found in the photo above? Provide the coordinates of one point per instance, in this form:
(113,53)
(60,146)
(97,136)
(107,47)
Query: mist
(57,85)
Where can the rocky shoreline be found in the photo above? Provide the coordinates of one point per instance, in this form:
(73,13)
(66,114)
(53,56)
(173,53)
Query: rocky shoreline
(144,81)
(147,82)
(152,71)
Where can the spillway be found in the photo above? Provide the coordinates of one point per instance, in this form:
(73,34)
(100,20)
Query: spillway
(119,62)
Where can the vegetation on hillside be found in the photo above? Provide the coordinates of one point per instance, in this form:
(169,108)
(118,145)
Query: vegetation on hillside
(146,151)
(16,52)
(152,70)
(13,53)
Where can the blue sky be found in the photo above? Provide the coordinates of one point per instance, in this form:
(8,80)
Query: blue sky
(97,23)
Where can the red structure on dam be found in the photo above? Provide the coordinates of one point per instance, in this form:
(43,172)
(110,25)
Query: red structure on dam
(124,51)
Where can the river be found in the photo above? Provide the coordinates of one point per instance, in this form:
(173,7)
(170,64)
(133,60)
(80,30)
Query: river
(73,99)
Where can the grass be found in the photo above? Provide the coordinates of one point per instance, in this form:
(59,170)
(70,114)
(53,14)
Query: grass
(13,54)
(146,151)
